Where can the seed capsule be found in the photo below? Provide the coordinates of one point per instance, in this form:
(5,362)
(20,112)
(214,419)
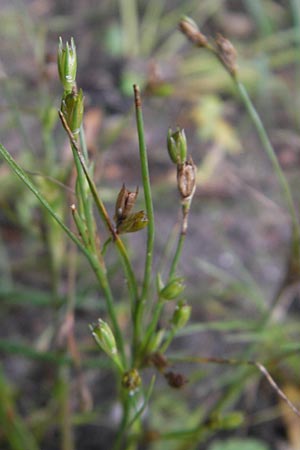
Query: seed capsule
(186,179)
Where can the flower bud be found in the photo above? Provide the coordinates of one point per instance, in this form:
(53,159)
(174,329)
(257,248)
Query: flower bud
(177,146)
(173,289)
(67,64)
(131,381)
(105,339)
(186,179)
(72,109)
(227,53)
(181,315)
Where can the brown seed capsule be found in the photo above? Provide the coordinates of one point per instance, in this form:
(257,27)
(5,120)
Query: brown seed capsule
(189,28)
(176,380)
(186,179)
(227,53)
(124,204)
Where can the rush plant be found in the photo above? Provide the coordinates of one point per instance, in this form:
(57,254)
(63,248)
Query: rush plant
(145,343)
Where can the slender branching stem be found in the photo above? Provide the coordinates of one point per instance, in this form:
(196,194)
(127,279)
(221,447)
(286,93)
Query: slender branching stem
(104,216)
(268,148)
(101,276)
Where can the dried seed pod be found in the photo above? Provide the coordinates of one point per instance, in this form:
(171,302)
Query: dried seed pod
(190,29)
(124,204)
(176,380)
(186,179)
(227,53)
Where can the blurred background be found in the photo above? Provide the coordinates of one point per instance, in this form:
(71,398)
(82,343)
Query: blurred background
(236,255)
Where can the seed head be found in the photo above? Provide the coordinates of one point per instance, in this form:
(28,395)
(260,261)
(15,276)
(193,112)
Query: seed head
(186,180)
(227,54)
(190,29)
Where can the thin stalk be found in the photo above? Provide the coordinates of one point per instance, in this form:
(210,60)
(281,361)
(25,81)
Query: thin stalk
(124,422)
(103,280)
(227,60)
(168,341)
(14,429)
(132,284)
(65,417)
(100,274)
(27,181)
(150,213)
(274,160)
(153,324)
(84,201)
(177,255)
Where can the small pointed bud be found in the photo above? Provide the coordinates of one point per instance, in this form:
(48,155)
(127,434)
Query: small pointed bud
(131,381)
(177,146)
(227,54)
(134,222)
(105,339)
(173,289)
(67,64)
(181,315)
(186,179)
(190,29)
(72,109)
(124,204)
(159,282)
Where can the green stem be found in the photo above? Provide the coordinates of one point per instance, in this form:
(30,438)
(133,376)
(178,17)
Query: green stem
(26,180)
(177,255)
(152,326)
(132,284)
(274,160)
(150,213)
(100,273)
(168,341)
